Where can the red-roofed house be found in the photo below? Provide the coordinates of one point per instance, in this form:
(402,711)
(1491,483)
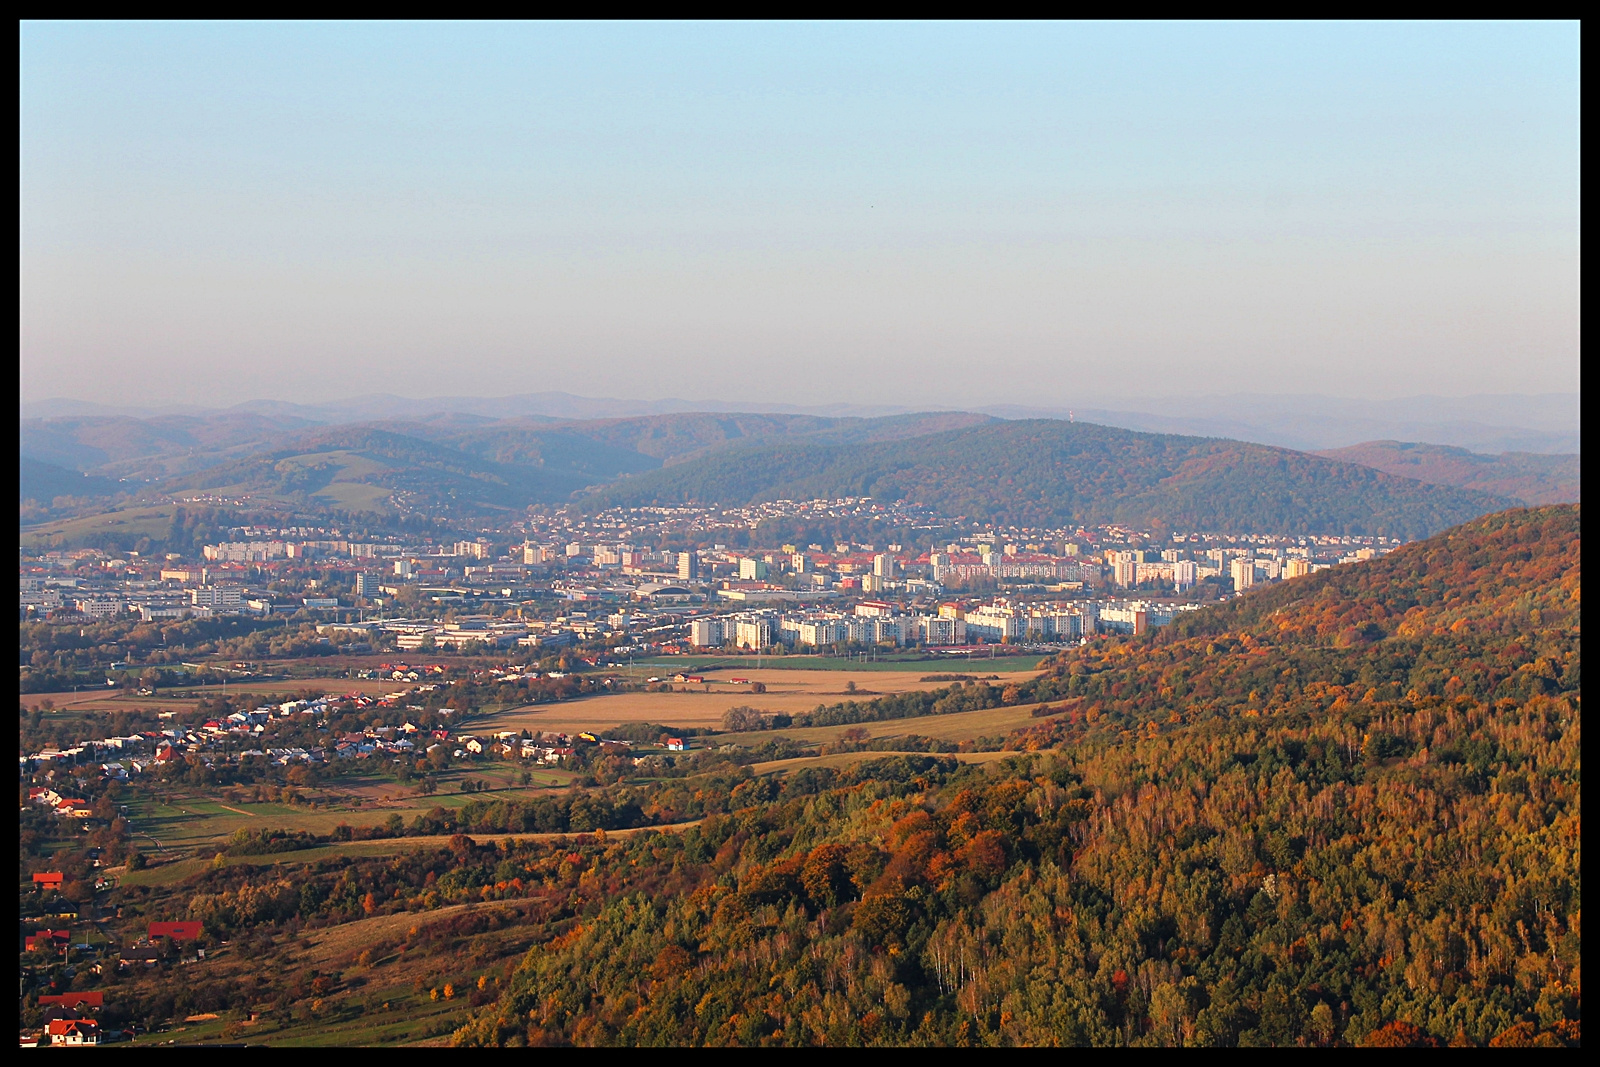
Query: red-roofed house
(52,939)
(178,931)
(73,1032)
(75,1000)
(48,880)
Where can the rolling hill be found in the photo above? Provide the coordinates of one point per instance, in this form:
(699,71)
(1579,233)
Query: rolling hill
(1533,478)
(1343,811)
(43,482)
(1047,472)
(1029,472)
(363,468)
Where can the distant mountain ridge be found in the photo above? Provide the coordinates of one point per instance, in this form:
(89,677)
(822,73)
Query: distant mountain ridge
(1051,473)
(43,482)
(1529,477)
(1542,423)
(1031,472)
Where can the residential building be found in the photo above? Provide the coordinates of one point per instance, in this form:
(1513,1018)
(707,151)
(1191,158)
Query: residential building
(220,598)
(755,633)
(1243,570)
(940,630)
(688,566)
(707,633)
(993,624)
(819,633)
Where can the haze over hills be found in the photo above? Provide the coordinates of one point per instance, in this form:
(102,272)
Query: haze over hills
(1044,472)
(1543,423)
(46,481)
(1525,476)
(1034,472)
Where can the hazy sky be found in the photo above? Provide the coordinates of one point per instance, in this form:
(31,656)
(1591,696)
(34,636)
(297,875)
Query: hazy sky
(797,213)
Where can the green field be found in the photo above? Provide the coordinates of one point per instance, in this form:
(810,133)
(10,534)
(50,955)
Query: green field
(189,821)
(961,726)
(152,522)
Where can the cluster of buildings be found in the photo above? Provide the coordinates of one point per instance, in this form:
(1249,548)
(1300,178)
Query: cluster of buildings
(63,807)
(954,624)
(70,1019)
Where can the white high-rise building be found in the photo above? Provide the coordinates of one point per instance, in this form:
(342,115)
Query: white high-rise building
(1244,573)
(707,633)
(755,633)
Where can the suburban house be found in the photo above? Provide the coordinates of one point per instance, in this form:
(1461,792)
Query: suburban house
(75,1000)
(149,955)
(178,931)
(73,1032)
(75,809)
(52,939)
(48,880)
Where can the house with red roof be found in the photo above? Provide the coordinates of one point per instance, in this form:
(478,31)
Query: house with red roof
(55,940)
(178,931)
(48,880)
(75,1000)
(73,1032)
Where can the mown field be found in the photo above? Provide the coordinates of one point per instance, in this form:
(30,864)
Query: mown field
(150,522)
(186,819)
(176,697)
(704,704)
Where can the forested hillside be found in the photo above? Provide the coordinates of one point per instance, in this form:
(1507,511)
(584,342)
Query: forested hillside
(1530,477)
(1344,810)
(1047,472)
